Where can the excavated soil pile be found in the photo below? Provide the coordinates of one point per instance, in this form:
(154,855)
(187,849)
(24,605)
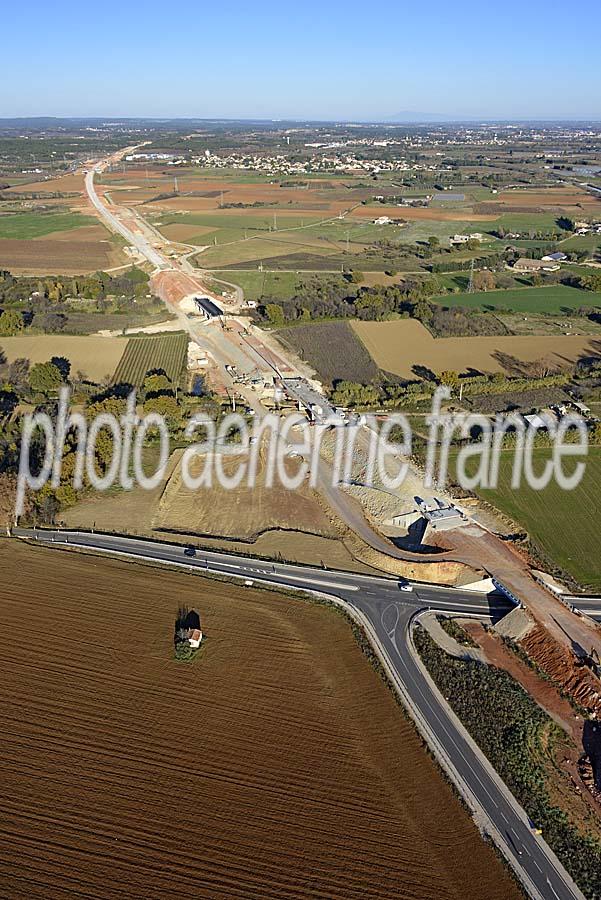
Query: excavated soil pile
(560,665)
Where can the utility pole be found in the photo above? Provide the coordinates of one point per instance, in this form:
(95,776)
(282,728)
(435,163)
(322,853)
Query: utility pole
(175,188)
(470,287)
(275,222)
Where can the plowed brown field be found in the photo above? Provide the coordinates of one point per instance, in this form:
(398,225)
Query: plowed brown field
(58,257)
(277,765)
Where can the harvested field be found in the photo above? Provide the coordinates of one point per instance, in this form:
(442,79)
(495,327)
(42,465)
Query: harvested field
(551,197)
(95,356)
(123,769)
(400,346)
(58,257)
(186,233)
(162,352)
(332,349)
(88,233)
(61,184)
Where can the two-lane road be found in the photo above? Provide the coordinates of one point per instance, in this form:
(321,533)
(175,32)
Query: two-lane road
(386,614)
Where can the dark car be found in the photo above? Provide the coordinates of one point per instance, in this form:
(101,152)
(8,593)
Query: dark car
(189,551)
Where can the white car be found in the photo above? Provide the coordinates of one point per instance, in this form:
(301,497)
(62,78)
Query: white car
(408,588)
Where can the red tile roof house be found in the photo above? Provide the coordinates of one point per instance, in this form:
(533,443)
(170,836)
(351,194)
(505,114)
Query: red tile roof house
(195,638)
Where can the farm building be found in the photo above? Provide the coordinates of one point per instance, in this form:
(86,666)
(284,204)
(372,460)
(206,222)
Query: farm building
(534,265)
(580,407)
(195,638)
(464,238)
(540,421)
(558,256)
(187,629)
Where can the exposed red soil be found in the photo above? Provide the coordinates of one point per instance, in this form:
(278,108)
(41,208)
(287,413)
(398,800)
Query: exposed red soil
(479,548)
(561,666)
(543,691)
(580,790)
(173,286)
(276,765)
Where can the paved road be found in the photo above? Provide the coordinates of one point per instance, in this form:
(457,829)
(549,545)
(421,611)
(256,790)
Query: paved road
(138,240)
(387,614)
(587,604)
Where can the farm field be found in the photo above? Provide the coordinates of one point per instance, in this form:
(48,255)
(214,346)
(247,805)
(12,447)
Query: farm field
(241,253)
(279,285)
(562,523)
(549,299)
(55,256)
(568,199)
(29,225)
(95,356)
(332,349)
(421,230)
(537,323)
(124,769)
(166,352)
(402,345)
(54,235)
(63,184)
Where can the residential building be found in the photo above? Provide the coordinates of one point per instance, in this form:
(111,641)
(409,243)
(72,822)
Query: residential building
(534,265)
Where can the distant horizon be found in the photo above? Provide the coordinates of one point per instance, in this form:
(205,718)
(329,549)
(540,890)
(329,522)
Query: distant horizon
(399,119)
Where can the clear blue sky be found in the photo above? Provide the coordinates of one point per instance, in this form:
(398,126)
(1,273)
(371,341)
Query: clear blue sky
(326,60)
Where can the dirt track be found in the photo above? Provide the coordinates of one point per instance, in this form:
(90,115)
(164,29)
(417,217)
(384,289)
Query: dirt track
(278,765)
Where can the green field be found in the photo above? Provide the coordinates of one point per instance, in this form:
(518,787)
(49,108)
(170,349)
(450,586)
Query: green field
(588,242)
(553,299)
(279,285)
(422,229)
(564,524)
(257,220)
(526,222)
(166,352)
(27,225)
